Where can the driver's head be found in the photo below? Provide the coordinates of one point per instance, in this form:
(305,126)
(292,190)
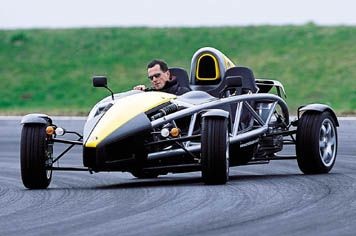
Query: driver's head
(158,73)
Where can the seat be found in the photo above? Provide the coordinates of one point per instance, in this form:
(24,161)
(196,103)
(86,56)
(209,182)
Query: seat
(248,83)
(244,83)
(181,76)
(244,74)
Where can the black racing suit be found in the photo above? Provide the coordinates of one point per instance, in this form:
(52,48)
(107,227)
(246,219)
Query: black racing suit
(173,87)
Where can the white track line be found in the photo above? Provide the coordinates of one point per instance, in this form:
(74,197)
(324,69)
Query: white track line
(347,118)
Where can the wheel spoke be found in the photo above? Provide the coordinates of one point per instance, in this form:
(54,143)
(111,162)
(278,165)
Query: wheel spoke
(327,142)
(322,144)
(322,131)
(328,129)
(329,132)
(328,155)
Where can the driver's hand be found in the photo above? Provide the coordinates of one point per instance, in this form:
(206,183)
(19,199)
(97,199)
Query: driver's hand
(140,87)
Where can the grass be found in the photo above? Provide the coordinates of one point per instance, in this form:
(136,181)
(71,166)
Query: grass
(50,70)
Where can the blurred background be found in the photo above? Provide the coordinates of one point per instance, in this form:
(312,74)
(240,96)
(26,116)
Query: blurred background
(49,50)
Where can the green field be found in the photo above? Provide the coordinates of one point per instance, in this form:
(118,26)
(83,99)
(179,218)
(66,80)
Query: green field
(50,70)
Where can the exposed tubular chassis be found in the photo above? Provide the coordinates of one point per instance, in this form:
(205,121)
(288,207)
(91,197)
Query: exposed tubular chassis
(261,127)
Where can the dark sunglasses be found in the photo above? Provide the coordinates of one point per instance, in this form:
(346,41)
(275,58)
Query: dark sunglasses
(157,75)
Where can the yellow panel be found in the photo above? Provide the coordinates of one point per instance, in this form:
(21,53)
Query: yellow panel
(123,110)
(228,63)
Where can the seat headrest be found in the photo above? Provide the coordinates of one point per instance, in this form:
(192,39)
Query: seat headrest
(208,66)
(180,75)
(248,79)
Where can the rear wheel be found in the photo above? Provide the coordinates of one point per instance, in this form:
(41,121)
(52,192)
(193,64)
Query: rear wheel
(36,157)
(215,150)
(316,145)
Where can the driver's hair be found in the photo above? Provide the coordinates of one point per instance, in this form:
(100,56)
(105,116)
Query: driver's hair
(163,65)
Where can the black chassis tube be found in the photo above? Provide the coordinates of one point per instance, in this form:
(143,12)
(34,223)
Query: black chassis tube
(68,169)
(73,142)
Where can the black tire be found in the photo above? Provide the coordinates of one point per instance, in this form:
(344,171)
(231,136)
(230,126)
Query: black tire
(316,145)
(35,153)
(214,150)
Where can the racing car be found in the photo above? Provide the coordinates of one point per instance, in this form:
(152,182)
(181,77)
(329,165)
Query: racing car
(229,118)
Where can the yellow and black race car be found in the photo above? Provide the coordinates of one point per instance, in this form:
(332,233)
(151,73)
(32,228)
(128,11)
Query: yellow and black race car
(229,118)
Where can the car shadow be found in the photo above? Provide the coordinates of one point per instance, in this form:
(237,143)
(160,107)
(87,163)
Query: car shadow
(157,182)
(187,181)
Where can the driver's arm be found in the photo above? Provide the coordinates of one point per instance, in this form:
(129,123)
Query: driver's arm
(140,87)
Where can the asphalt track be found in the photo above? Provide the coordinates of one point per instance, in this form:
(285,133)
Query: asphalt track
(273,199)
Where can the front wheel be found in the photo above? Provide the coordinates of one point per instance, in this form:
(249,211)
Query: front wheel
(316,145)
(36,157)
(215,150)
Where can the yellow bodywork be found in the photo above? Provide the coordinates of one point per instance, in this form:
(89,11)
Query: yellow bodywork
(122,111)
(228,63)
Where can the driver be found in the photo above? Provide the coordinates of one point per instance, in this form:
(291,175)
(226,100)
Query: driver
(161,79)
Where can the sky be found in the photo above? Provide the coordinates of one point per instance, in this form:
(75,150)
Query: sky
(168,13)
